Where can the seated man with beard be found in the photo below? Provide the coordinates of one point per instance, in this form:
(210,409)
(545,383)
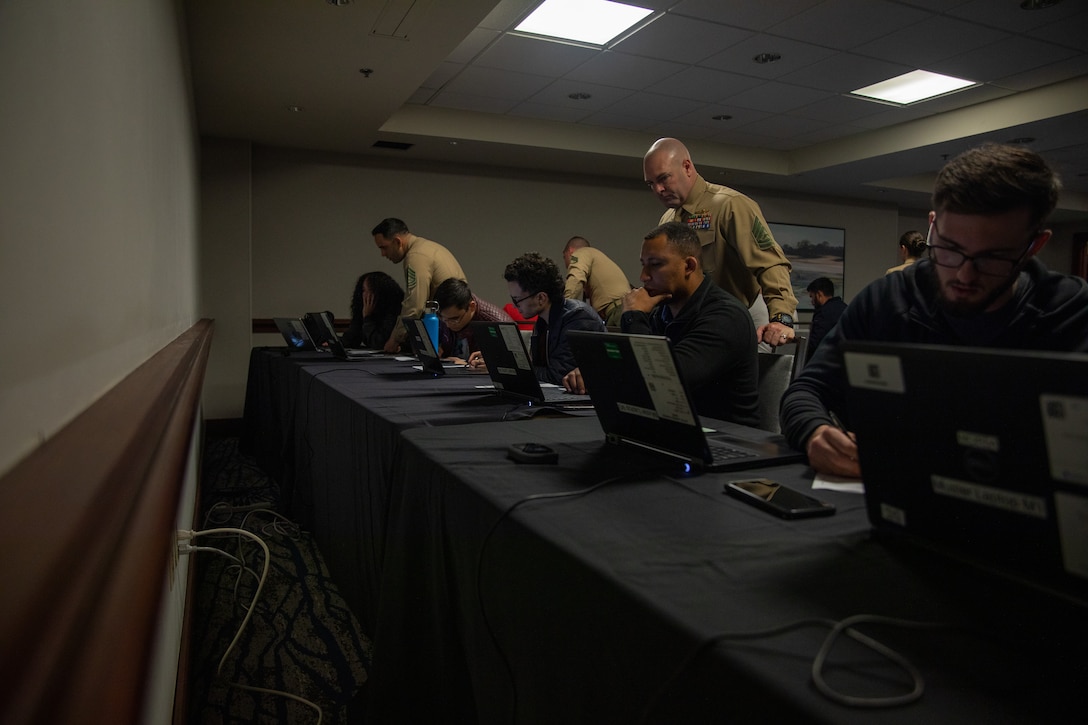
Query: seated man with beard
(980,285)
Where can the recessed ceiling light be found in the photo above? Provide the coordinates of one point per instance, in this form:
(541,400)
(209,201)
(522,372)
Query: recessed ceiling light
(294,109)
(722,117)
(912,87)
(579,96)
(767,58)
(584,21)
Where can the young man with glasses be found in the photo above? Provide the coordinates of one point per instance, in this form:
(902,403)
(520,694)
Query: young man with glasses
(536,289)
(979,285)
(458,306)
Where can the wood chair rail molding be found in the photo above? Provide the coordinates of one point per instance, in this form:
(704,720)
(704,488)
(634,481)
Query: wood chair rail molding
(87,533)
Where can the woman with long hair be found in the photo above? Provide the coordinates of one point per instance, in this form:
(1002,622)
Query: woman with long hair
(375,310)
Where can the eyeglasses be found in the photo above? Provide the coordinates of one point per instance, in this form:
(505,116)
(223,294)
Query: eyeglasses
(518,300)
(988,265)
(456,318)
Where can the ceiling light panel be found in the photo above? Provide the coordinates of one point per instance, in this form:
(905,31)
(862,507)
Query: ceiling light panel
(583,21)
(912,87)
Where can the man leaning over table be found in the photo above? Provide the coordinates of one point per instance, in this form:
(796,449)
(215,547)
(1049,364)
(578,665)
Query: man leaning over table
(739,254)
(426,264)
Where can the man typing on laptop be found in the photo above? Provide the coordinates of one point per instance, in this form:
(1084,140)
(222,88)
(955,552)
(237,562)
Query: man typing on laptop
(711,332)
(536,289)
(980,285)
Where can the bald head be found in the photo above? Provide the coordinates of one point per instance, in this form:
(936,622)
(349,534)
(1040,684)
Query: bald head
(669,172)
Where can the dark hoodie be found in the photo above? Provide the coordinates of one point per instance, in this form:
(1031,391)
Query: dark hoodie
(714,342)
(1048,312)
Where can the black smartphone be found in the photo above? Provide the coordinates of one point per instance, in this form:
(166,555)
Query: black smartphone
(779,500)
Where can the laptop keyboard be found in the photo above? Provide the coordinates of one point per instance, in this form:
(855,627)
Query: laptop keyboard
(721,453)
(558,395)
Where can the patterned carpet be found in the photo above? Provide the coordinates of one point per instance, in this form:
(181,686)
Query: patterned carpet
(301,639)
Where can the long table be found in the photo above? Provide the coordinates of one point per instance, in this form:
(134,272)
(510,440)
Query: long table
(326,430)
(607,589)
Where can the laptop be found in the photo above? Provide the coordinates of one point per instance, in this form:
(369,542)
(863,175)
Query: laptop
(511,368)
(640,400)
(294,333)
(323,332)
(978,453)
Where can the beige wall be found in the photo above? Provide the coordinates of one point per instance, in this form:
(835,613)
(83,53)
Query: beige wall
(97,204)
(312,214)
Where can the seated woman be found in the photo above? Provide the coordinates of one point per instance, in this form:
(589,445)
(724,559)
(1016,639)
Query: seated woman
(375,310)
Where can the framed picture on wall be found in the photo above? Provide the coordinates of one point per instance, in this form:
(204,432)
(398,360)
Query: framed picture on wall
(814,252)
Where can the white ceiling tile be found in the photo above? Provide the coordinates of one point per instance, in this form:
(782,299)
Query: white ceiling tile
(533,55)
(558,93)
(1046,75)
(471,46)
(1009,15)
(619,120)
(442,75)
(1010,56)
(654,107)
(625,71)
(775,97)
(933,40)
(682,40)
(795,55)
(739,117)
(469,102)
(549,112)
(784,126)
(495,83)
(703,84)
(840,109)
(1071,32)
(846,24)
(750,15)
(845,72)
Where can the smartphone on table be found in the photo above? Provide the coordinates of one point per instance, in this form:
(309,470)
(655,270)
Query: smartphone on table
(778,499)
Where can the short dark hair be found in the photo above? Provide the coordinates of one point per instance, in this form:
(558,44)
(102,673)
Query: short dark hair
(822,284)
(996,178)
(680,236)
(915,242)
(536,273)
(576,243)
(453,293)
(389,228)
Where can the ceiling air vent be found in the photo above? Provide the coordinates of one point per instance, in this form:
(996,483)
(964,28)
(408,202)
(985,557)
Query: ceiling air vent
(396,145)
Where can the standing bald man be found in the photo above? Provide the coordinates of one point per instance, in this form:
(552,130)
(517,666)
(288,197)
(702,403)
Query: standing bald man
(738,252)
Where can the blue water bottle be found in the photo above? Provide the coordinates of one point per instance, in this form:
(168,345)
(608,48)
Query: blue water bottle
(430,321)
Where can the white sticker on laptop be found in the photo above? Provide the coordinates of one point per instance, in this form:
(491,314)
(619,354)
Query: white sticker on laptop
(874,372)
(1065,426)
(1072,515)
(662,380)
(511,335)
(999,498)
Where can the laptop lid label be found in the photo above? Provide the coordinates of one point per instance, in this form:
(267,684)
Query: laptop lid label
(662,380)
(1004,499)
(1072,515)
(875,372)
(1065,424)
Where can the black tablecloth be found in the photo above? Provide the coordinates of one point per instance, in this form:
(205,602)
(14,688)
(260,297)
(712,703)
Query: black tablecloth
(500,605)
(326,430)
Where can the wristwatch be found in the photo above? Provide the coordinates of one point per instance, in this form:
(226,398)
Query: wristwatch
(783,319)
